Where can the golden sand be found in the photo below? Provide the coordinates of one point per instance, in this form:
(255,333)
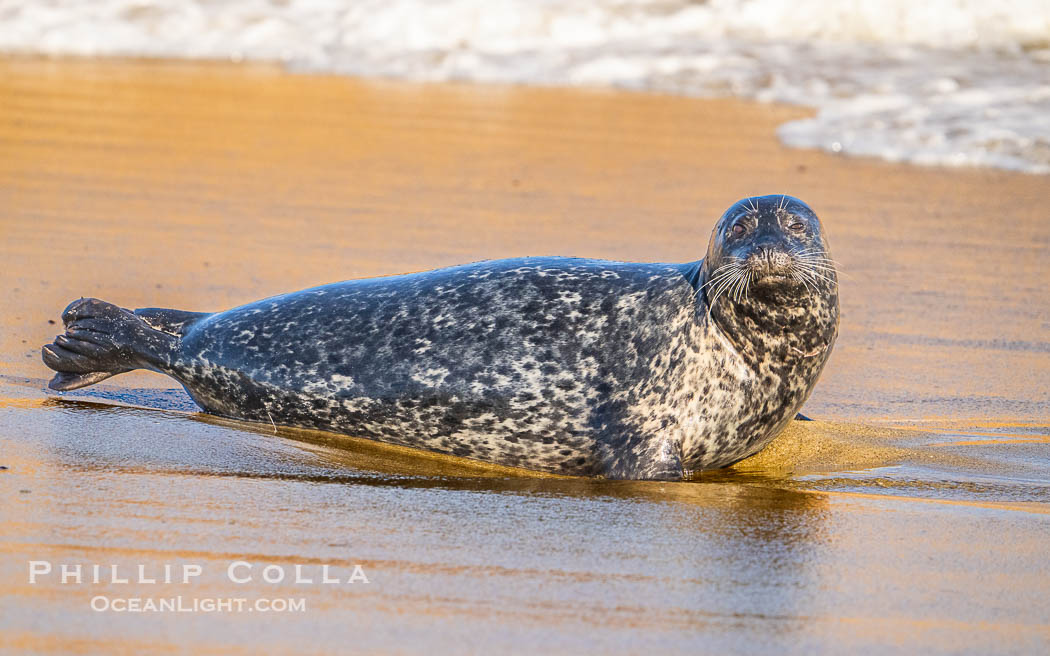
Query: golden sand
(912,517)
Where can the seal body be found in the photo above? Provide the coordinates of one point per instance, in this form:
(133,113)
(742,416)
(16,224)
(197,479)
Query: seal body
(572,366)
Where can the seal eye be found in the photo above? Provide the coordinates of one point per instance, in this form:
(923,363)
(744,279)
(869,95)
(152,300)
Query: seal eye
(739,229)
(797,227)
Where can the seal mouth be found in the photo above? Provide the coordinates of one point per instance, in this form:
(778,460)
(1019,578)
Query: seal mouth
(770,267)
(772,276)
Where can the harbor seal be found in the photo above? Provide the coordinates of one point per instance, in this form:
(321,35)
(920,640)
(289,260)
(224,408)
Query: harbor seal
(565,365)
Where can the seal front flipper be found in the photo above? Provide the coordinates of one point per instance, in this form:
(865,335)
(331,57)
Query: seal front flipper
(102,340)
(655,459)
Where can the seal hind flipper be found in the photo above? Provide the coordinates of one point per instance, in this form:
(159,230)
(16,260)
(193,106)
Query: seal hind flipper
(173,322)
(102,340)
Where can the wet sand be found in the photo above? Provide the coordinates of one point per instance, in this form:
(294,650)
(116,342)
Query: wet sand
(914,516)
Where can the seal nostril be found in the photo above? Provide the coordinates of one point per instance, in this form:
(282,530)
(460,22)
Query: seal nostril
(768,258)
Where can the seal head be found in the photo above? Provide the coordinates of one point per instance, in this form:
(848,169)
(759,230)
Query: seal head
(768,247)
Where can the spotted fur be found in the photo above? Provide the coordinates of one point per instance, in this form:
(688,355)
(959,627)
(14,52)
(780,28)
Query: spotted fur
(573,366)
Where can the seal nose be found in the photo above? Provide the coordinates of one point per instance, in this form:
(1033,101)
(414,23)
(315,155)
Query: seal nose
(770,260)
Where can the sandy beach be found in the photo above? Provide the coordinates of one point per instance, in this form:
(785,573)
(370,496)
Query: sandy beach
(913,516)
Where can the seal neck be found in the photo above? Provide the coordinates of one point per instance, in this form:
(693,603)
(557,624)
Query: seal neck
(693,272)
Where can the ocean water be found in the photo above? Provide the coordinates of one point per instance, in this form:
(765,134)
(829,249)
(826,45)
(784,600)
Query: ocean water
(941,82)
